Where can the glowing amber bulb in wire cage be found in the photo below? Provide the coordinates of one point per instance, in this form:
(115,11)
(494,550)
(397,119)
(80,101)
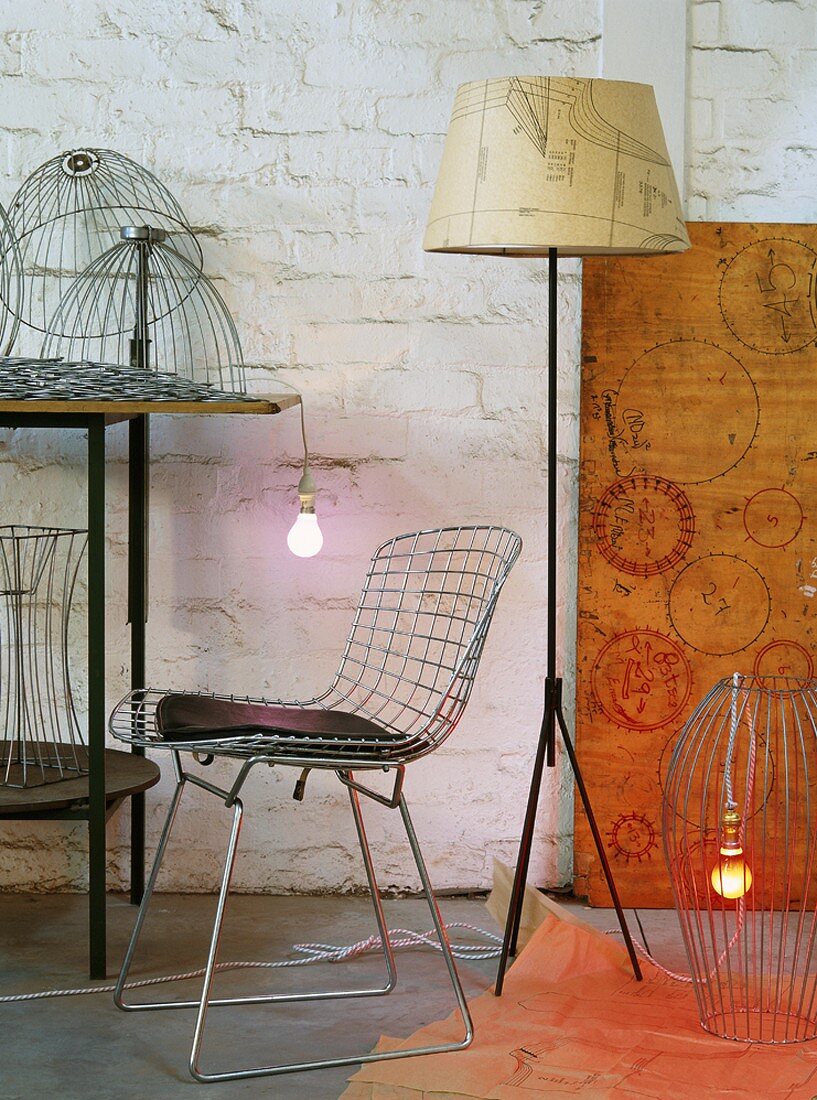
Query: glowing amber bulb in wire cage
(731,876)
(740,842)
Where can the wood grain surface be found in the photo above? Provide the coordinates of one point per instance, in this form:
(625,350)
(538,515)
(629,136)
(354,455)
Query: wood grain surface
(698,510)
(125,774)
(261,405)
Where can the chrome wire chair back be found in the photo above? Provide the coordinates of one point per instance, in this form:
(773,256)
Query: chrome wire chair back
(404,678)
(418,632)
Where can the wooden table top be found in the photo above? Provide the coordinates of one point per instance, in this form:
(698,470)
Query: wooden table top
(80,388)
(125,774)
(265,405)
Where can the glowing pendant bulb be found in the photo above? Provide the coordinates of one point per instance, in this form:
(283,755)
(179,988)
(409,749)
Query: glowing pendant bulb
(731,877)
(305,538)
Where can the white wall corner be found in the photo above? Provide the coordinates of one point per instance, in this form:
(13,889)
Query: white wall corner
(646,41)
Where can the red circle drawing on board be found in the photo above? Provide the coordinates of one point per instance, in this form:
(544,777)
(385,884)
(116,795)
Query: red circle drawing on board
(772,517)
(641,679)
(719,604)
(784,658)
(644,525)
(632,837)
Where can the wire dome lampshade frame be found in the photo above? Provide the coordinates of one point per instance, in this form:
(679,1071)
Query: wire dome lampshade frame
(740,842)
(70,210)
(11,285)
(142,303)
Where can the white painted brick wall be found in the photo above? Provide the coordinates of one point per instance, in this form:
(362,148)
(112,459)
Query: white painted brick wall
(305,138)
(752,130)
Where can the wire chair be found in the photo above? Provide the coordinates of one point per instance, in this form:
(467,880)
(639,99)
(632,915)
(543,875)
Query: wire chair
(404,679)
(70,210)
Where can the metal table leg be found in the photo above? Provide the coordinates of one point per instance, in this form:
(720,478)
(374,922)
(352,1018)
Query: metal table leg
(96,696)
(138,460)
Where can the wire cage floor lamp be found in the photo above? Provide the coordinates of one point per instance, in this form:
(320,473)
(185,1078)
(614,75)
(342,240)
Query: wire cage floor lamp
(740,843)
(555,166)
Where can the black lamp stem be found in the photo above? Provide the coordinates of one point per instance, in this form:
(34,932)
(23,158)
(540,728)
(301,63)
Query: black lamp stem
(553,713)
(552,435)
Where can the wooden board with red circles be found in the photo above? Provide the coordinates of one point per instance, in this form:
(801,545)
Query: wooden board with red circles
(697,510)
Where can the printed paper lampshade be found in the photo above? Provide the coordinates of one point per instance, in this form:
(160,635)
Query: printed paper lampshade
(576,164)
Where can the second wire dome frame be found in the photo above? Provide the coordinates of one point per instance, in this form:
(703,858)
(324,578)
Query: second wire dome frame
(143,304)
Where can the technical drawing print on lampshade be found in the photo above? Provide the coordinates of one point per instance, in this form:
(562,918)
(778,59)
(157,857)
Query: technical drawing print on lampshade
(576,164)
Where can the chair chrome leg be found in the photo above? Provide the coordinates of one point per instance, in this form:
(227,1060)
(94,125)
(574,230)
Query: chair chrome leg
(354,1060)
(380,916)
(118,997)
(215,940)
(442,934)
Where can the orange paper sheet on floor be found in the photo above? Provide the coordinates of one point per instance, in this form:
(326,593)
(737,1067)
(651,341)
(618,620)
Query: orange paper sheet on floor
(573,1021)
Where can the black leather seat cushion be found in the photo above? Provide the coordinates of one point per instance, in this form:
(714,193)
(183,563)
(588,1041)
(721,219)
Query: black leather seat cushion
(201,718)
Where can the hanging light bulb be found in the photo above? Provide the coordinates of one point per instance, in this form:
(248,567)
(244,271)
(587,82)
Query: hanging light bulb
(305,538)
(731,877)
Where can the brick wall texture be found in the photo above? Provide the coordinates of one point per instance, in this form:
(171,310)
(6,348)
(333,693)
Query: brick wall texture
(303,139)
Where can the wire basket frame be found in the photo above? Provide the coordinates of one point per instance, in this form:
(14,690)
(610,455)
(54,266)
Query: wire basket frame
(740,841)
(70,210)
(142,303)
(43,740)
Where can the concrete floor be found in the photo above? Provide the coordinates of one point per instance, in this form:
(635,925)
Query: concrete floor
(75,1048)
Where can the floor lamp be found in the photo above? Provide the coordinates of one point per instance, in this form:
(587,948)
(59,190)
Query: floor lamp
(555,166)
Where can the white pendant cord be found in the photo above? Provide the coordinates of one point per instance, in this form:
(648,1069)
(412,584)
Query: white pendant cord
(401,938)
(295,390)
(645,954)
(309,952)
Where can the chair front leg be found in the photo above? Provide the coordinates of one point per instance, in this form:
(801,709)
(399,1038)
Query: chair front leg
(118,997)
(442,934)
(215,941)
(374,890)
(227,797)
